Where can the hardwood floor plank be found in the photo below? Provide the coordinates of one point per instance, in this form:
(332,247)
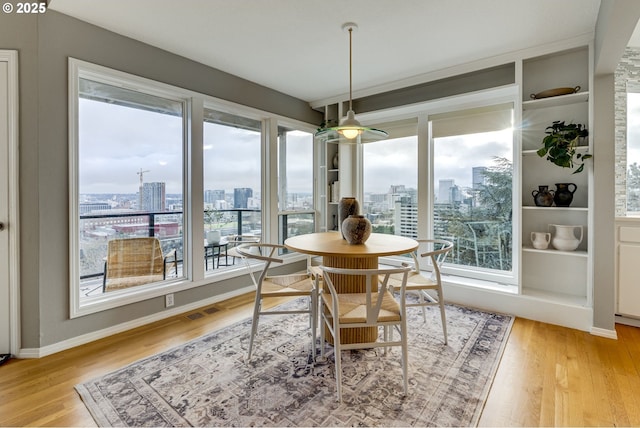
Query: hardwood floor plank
(548,375)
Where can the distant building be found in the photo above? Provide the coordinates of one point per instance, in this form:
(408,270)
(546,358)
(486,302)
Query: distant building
(212,196)
(241,196)
(88,207)
(447,191)
(406,218)
(478,178)
(153,197)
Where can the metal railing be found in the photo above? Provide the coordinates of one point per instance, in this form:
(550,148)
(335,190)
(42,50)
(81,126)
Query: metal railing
(97,229)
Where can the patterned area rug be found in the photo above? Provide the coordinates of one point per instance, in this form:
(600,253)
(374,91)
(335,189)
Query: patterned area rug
(207,382)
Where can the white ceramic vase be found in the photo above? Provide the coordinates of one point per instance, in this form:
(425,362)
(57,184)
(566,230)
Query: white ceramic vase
(564,237)
(540,240)
(213,237)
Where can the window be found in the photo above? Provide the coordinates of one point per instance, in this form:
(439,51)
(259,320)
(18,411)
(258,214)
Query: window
(633,151)
(232,176)
(295,183)
(472,186)
(136,146)
(390,181)
(128,170)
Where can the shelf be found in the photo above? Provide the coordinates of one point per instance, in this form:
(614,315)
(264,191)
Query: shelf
(532,152)
(567,299)
(551,251)
(536,208)
(561,100)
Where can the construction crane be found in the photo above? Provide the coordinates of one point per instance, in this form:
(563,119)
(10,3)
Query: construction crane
(141,174)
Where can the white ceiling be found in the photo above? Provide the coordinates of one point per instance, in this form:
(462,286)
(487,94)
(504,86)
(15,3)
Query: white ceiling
(298,47)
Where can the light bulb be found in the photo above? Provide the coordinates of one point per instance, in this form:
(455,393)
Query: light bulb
(350,133)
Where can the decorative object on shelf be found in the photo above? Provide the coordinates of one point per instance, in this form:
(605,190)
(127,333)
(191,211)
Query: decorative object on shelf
(561,142)
(563,194)
(555,92)
(543,197)
(564,238)
(356,229)
(540,240)
(213,236)
(335,161)
(346,207)
(349,127)
(334,191)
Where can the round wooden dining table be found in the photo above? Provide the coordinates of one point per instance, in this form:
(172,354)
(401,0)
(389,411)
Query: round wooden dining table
(337,252)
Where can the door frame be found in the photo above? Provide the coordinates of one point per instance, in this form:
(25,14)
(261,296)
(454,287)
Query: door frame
(13,229)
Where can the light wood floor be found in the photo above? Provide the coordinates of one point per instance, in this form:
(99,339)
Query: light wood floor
(548,376)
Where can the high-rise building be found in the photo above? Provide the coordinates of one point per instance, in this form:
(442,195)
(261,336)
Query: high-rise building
(153,197)
(478,177)
(241,197)
(406,218)
(444,190)
(212,196)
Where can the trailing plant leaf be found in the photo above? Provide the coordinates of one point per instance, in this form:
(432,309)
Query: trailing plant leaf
(559,146)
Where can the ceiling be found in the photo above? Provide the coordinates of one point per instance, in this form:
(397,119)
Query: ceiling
(298,47)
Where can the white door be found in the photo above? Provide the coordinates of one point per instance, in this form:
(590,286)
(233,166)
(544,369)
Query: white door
(8,203)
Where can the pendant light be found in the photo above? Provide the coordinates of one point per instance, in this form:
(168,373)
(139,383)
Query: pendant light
(350,130)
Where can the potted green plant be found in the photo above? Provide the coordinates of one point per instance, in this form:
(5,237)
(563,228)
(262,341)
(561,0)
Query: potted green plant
(561,142)
(211,218)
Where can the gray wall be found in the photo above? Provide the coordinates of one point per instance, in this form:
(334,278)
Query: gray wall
(44,44)
(604,203)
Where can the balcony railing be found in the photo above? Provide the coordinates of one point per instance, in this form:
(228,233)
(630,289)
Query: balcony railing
(97,229)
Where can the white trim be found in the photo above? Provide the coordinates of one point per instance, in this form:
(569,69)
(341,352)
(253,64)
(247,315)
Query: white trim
(609,334)
(119,328)
(538,308)
(81,69)
(11,58)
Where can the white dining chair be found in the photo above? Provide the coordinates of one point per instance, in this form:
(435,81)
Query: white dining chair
(268,286)
(420,283)
(376,307)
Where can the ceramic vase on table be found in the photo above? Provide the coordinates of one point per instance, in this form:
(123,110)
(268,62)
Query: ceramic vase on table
(540,240)
(563,237)
(356,229)
(346,207)
(213,237)
(543,197)
(564,194)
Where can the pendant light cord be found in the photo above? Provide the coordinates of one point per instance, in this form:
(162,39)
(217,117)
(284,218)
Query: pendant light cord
(350,71)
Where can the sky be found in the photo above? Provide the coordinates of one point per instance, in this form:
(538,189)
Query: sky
(113,151)
(392,162)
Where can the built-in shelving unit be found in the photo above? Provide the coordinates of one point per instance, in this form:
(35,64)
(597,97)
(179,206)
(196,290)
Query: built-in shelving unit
(328,183)
(563,277)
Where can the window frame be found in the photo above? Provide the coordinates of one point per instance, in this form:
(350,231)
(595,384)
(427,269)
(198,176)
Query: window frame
(281,194)
(80,69)
(423,112)
(194,104)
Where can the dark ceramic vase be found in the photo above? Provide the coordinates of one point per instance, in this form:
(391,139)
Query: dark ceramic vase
(356,229)
(543,197)
(346,207)
(564,194)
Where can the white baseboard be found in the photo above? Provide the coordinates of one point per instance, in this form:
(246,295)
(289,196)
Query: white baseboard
(609,334)
(100,334)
